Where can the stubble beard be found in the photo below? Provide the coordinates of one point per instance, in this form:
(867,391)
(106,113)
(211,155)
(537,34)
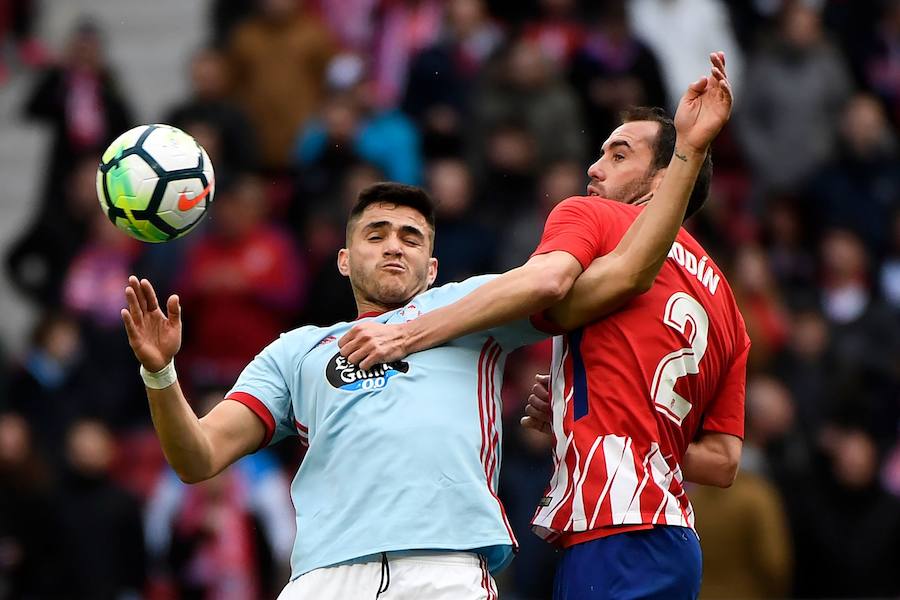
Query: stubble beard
(387,292)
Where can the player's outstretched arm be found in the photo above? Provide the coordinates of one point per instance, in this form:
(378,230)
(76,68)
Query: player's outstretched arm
(632,266)
(196,448)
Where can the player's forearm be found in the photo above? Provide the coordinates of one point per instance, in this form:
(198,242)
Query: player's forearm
(643,249)
(519,293)
(712,460)
(185,444)
(597,292)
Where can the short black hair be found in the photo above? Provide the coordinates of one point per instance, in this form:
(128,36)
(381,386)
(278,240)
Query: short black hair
(665,147)
(397,194)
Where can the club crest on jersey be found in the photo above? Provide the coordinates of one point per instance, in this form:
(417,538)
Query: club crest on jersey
(344,375)
(409,312)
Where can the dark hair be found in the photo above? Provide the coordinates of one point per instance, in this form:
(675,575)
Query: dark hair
(665,147)
(397,194)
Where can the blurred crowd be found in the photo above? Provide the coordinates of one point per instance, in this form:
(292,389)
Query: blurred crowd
(496,107)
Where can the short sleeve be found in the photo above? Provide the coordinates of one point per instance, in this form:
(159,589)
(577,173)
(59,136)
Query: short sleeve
(574,226)
(726,413)
(263,388)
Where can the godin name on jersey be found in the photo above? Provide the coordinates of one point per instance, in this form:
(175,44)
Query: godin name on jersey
(699,269)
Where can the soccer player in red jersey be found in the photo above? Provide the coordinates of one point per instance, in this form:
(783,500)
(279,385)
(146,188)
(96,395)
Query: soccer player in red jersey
(642,400)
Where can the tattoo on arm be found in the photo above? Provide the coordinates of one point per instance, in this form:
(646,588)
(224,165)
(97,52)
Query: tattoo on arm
(681,157)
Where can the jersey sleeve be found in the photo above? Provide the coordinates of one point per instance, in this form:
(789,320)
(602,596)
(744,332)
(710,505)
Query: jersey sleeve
(262,387)
(726,413)
(574,226)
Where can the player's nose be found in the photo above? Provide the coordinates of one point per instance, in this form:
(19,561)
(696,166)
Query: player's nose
(595,171)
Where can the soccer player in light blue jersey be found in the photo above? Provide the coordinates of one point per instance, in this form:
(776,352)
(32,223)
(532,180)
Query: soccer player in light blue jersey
(396,495)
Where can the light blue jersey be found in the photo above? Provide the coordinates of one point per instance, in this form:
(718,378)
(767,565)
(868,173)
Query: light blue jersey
(405,456)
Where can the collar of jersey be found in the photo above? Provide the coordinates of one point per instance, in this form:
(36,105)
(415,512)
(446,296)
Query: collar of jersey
(371,313)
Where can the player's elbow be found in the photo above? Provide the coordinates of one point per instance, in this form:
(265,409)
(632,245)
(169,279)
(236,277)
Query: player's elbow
(552,288)
(726,475)
(191,474)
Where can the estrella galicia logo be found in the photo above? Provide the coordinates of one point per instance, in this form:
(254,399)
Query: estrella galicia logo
(346,376)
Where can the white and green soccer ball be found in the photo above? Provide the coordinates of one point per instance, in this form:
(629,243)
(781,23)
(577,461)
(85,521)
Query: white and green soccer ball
(155,183)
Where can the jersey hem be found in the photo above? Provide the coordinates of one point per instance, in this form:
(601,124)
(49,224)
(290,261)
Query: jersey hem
(442,546)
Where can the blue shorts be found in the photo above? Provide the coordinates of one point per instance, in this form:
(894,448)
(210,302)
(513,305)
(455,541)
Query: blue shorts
(663,562)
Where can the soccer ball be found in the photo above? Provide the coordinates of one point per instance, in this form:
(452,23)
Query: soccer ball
(155,183)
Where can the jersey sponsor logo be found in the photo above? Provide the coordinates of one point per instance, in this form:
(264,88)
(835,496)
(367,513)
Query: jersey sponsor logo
(344,375)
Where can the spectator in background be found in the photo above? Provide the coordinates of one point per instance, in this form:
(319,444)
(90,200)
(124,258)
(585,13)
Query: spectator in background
(402,29)
(38,261)
(759,300)
(787,235)
(243,281)
(613,70)
(466,246)
(89,292)
(808,369)
(351,21)
(867,169)
(523,86)
(557,31)
(682,33)
(49,388)
(442,76)
(866,336)
(17,19)
(795,89)
(508,179)
(890,269)
(277,61)
(224,557)
(384,137)
(846,528)
(522,231)
(210,105)
(30,554)
(743,530)
(100,523)
(881,59)
(81,102)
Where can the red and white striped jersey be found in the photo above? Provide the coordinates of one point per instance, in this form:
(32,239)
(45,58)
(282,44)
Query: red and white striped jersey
(631,391)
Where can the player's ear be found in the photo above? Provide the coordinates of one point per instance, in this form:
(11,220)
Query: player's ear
(343,262)
(432,270)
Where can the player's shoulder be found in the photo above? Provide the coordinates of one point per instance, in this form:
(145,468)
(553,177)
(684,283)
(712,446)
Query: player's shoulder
(300,340)
(593,204)
(450,292)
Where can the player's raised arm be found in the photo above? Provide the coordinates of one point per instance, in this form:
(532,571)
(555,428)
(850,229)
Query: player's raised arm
(196,448)
(612,279)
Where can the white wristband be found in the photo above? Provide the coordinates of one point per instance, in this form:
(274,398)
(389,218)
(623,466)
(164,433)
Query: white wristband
(162,378)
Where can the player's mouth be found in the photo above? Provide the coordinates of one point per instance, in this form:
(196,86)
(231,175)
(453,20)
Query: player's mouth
(593,190)
(394,267)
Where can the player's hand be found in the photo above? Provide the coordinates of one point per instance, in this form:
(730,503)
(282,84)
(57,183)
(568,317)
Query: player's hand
(538,415)
(369,344)
(154,338)
(705,107)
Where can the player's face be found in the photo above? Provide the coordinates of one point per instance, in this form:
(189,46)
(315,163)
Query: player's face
(388,255)
(623,172)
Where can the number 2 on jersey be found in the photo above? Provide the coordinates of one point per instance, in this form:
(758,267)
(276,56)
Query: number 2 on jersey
(681,309)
